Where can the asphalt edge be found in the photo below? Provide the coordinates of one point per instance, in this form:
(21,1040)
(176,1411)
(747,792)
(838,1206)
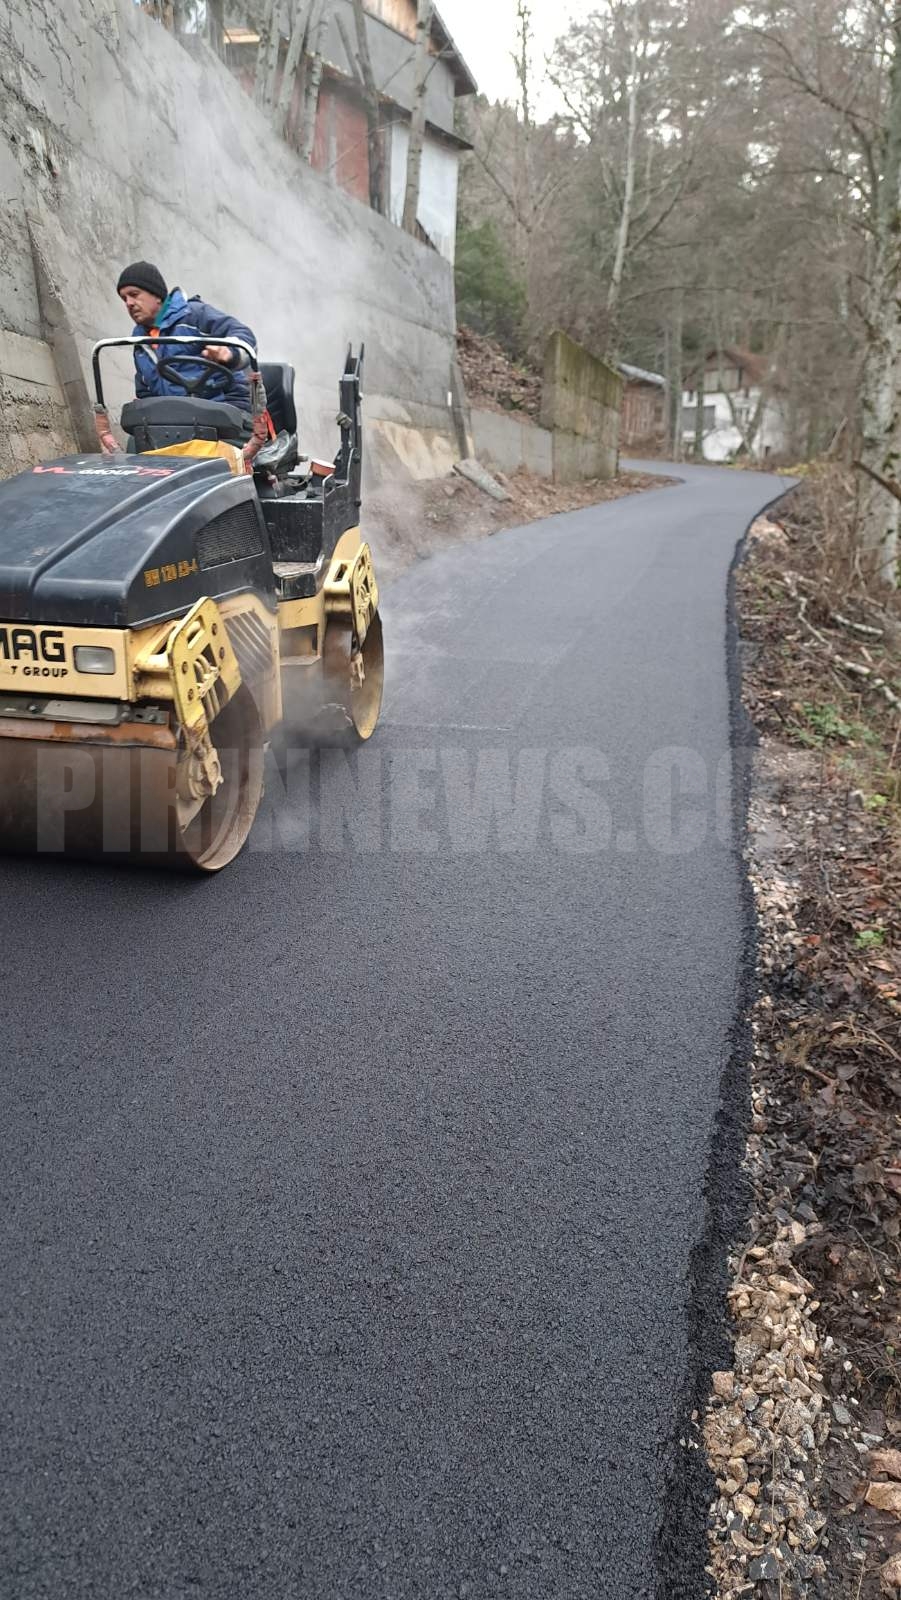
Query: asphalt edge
(681,1548)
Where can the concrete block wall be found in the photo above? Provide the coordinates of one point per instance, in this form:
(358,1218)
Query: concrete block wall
(580,414)
(116,142)
(511,442)
(581,404)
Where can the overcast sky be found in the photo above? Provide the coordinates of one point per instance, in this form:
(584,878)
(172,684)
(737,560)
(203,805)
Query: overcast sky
(484,32)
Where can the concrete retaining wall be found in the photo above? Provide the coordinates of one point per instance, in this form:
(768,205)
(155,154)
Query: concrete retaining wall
(116,142)
(580,412)
(581,403)
(511,442)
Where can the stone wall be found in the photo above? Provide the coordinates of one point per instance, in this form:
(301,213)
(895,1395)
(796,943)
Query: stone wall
(35,424)
(581,402)
(116,142)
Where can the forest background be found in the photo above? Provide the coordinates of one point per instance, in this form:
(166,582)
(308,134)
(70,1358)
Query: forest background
(713,176)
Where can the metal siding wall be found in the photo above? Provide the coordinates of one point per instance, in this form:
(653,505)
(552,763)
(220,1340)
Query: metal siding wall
(393,66)
(398,145)
(437,210)
(438,196)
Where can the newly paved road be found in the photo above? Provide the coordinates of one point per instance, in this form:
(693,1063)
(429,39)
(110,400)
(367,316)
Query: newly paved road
(348,1200)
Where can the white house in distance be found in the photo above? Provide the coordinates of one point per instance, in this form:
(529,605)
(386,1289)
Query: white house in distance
(741,415)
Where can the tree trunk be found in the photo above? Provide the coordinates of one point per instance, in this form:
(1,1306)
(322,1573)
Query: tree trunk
(417,124)
(522,62)
(879,514)
(299,27)
(215,26)
(267,57)
(318,25)
(667,388)
(373,111)
(699,416)
(625,216)
(748,430)
(676,380)
(524,187)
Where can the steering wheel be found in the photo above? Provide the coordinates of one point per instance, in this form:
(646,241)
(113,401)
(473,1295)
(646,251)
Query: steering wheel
(191,386)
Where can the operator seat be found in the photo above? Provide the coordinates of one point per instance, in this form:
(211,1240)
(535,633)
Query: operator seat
(278,381)
(160,420)
(280,455)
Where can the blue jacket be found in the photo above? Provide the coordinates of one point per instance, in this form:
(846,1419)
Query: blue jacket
(181,316)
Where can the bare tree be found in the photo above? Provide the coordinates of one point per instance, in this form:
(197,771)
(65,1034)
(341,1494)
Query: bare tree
(417,122)
(625,215)
(676,374)
(318,27)
(522,60)
(268,52)
(640,118)
(880,514)
(845,62)
(215,25)
(524,209)
(373,110)
(523,167)
(300,23)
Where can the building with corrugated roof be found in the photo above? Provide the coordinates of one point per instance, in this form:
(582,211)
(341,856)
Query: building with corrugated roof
(342,147)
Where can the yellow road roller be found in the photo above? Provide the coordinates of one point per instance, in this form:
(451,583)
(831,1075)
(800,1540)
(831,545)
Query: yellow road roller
(166,609)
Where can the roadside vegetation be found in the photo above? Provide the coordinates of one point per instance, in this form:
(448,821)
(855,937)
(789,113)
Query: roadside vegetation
(816,1292)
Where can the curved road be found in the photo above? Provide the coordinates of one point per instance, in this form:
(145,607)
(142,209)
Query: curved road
(354,1221)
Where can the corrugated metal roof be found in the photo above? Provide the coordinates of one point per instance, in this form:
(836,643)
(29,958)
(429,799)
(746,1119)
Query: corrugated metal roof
(638,375)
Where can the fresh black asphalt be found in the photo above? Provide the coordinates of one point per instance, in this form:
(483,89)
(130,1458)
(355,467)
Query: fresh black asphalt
(351,1200)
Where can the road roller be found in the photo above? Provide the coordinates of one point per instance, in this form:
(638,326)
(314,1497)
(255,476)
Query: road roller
(167,610)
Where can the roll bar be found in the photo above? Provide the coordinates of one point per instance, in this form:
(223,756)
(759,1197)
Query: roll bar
(167,338)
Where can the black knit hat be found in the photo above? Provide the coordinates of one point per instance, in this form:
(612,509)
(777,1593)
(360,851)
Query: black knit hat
(142,275)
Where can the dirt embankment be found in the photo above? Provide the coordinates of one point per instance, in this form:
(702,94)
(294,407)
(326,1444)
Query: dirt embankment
(493,380)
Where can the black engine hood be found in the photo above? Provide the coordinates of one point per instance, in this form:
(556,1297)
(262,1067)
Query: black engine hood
(79,536)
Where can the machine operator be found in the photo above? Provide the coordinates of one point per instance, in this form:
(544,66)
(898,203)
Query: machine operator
(155,309)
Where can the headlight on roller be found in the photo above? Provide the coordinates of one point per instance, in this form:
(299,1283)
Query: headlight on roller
(94,658)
